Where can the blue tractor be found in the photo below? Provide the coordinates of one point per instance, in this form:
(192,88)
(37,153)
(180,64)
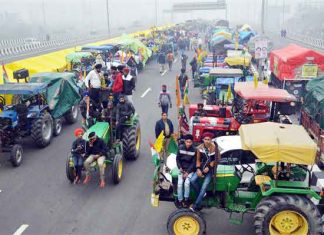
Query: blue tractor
(29,118)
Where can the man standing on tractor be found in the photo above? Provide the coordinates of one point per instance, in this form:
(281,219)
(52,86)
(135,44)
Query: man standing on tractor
(183,80)
(93,83)
(128,85)
(200,112)
(124,111)
(205,165)
(186,162)
(117,87)
(165,99)
(78,151)
(96,150)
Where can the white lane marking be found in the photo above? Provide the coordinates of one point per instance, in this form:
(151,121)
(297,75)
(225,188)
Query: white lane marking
(145,92)
(175,61)
(164,72)
(21,229)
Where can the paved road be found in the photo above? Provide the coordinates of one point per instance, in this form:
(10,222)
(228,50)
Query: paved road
(39,195)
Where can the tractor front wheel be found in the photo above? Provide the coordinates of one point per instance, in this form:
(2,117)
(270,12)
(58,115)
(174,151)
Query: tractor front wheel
(42,130)
(287,214)
(16,155)
(57,125)
(72,115)
(132,142)
(186,222)
(117,168)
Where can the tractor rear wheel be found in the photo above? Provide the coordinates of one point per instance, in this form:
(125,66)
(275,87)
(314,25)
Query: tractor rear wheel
(42,130)
(117,168)
(70,169)
(132,142)
(287,214)
(72,115)
(186,222)
(57,126)
(16,155)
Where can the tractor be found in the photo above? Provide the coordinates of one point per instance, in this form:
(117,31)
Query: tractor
(250,105)
(284,190)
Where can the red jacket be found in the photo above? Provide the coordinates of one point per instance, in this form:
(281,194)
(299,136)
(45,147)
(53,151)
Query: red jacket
(118,83)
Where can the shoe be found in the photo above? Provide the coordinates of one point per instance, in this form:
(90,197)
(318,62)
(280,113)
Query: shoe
(193,208)
(87,179)
(102,184)
(178,204)
(186,203)
(76,180)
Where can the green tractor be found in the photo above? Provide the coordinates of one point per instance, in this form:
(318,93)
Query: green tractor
(283,191)
(129,148)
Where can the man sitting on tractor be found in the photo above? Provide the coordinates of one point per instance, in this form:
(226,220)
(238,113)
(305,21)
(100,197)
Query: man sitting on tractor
(200,112)
(89,108)
(205,165)
(186,162)
(124,111)
(78,151)
(96,150)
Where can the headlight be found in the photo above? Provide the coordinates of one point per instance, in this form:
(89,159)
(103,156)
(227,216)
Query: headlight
(292,104)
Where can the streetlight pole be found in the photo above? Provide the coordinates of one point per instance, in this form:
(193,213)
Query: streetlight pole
(156,12)
(283,13)
(262,17)
(108,22)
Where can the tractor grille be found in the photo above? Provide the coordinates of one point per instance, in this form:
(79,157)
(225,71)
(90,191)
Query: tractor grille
(5,122)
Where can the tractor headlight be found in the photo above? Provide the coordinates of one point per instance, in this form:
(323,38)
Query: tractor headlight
(292,104)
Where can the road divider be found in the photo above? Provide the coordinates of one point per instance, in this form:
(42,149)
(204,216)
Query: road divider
(145,92)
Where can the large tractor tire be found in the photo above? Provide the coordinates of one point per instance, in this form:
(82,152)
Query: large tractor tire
(70,169)
(132,142)
(71,116)
(42,130)
(16,155)
(186,222)
(117,169)
(287,214)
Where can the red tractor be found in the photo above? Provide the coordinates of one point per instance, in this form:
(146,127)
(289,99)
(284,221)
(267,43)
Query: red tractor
(251,105)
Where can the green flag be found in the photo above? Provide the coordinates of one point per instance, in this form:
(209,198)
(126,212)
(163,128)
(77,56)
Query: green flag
(173,147)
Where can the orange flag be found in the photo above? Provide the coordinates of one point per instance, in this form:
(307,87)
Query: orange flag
(178,92)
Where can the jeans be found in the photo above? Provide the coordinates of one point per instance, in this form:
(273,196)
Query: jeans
(78,164)
(101,164)
(184,184)
(94,94)
(182,92)
(170,65)
(194,182)
(165,108)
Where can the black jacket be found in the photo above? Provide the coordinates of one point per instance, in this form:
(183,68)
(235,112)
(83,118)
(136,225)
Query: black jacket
(99,148)
(159,126)
(124,110)
(193,64)
(186,158)
(161,58)
(128,84)
(183,78)
(79,146)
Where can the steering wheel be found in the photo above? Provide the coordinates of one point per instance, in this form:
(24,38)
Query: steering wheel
(247,168)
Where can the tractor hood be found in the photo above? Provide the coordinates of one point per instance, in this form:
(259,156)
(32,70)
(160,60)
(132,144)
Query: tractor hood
(278,143)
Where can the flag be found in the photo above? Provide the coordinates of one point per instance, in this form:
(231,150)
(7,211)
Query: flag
(178,92)
(155,156)
(84,73)
(229,93)
(255,79)
(185,98)
(158,145)
(266,81)
(4,75)
(173,147)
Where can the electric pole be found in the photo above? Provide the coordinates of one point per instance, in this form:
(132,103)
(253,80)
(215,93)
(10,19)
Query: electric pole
(262,16)
(108,22)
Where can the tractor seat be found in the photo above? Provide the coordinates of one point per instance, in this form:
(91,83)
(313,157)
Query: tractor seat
(262,179)
(22,112)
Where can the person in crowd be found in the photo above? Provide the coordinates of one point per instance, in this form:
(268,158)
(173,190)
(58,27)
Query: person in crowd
(170,59)
(128,85)
(194,64)
(165,100)
(184,59)
(200,112)
(161,61)
(183,82)
(165,125)
(96,150)
(89,108)
(186,163)
(93,83)
(118,85)
(124,111)
(78,151)
(206,161)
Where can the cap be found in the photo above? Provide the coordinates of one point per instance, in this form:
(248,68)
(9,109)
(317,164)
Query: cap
(92,134)
(208,134)
(78,131)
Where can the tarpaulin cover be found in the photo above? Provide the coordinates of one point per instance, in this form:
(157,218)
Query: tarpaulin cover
(238,57)
(225,34)
(244,36)
(278,143)
(314,100)
(22,88)
(77,56)
(283,62)
(62,92)
(135,45)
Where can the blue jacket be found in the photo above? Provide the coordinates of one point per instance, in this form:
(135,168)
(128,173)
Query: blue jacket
(159,126)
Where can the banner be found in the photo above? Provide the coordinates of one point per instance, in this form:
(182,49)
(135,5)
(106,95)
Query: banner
(309,71)
(261,49)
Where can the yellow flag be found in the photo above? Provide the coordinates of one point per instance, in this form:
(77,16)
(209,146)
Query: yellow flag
(158,145)
(178,98)
(255,79)
(266,81)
